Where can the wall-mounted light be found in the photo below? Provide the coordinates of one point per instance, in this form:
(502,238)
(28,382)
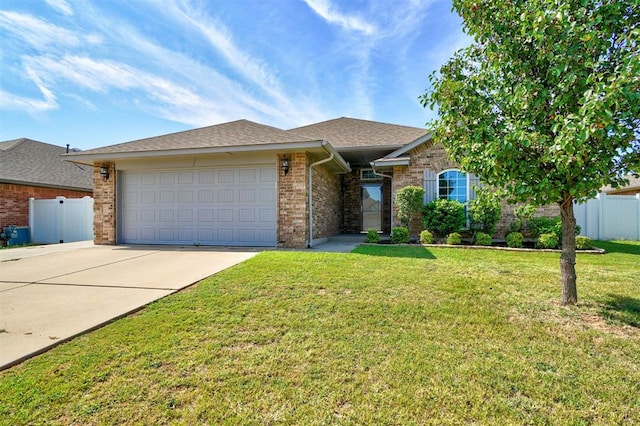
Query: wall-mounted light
(104,172)
(284,164)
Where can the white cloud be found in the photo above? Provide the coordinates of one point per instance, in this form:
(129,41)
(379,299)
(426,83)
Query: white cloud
(36,32)
(329,12)
(61,6)
(30,105)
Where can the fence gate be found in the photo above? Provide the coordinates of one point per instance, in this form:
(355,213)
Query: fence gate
(610,217)
(61,220)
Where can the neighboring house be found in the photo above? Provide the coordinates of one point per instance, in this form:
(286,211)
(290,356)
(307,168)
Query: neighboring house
(632,189)
(247,184)
(31,169)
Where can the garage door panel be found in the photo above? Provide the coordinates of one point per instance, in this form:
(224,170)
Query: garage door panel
(234,206)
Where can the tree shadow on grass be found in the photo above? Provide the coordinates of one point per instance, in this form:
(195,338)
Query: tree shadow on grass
(384,250)
(622,309)
(631,247)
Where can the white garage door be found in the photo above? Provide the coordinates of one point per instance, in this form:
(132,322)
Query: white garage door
(231,206)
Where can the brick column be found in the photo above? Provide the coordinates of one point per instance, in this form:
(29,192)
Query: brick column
(293,208)
(104,205)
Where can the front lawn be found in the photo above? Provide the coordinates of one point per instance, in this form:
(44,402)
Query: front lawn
(385,335)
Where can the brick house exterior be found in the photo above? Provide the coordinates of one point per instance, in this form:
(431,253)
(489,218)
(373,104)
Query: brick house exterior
(227,184)
(32,169)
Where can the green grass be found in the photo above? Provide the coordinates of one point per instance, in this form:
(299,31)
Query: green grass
(385,335)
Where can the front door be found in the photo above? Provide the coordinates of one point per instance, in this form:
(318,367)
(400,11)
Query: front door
(371,196)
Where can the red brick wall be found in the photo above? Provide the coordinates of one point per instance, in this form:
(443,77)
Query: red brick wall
(293,205)
(327,203)
(104,206)
(14,201)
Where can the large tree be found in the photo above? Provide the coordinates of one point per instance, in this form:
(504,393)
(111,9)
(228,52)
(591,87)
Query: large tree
(545,103)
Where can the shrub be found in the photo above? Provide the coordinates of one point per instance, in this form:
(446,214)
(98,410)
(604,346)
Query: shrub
(443,217)
(483,239)
(547,225)
(524,213)
(426,237)
(542,225)
(583,243)
(484,211)
(399,235)
(515,239)
(373,236)
(547,241)
(454,238)
(516,225)
(409,202)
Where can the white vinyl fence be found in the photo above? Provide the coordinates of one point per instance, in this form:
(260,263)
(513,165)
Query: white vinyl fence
(609,217)
(61,220)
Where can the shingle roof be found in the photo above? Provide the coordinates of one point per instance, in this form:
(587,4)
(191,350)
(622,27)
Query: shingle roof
(232,134)
(26,161)
(354,133)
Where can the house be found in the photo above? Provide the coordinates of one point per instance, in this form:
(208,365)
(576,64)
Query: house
(31,169)
(632,188)
(247,184)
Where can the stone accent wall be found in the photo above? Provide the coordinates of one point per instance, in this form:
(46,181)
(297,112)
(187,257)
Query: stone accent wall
(14,201)
(327,203)
(293,206)
(104,206)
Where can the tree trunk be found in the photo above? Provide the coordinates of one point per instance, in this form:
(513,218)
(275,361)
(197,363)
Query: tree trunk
(568,257)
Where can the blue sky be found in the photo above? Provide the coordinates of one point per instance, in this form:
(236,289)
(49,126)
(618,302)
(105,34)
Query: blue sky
(94,73)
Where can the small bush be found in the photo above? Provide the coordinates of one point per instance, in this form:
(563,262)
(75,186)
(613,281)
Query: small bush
(542,225)
(583,243)
(547,241)
(373,236)
(426,237)
(548,225)
(515,240)
(524,213)
(454,238)
(483,239)
(443,217)
(516,225)
(399,235)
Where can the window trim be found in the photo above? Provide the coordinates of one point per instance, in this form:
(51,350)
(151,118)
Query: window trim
(369,179)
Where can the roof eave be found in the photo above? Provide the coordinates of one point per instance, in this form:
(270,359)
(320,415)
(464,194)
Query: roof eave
(408,147)
(45,185)
(91,158)
(391,162)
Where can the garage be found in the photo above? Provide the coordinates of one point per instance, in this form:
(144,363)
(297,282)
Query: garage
(233,206)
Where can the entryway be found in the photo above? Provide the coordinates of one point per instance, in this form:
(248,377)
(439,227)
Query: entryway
(371,205)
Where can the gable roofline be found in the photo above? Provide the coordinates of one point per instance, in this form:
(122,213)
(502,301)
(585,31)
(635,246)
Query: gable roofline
(416,143)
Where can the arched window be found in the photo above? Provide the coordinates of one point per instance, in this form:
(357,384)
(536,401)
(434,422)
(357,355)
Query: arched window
(453,185)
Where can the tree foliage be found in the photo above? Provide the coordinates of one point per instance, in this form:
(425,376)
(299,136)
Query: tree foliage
(545,103)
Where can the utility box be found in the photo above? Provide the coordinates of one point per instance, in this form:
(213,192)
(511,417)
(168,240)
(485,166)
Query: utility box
(17,235)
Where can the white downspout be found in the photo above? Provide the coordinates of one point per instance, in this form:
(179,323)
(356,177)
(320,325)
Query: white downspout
(317,163)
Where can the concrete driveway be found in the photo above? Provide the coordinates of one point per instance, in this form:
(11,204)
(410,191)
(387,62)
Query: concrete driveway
(49,294)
